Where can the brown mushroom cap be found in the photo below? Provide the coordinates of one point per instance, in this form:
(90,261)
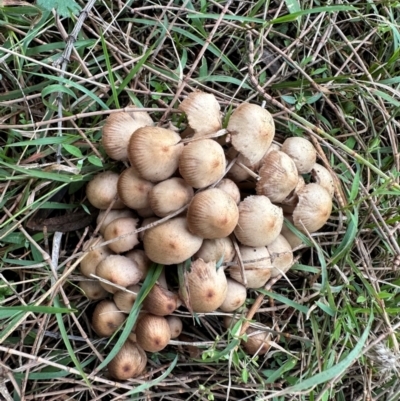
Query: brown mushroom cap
(235,296)
(93,290)
(215,250)
(171,242)
(321,176)
(302,152)
(260,222)
(102,190)
(112,215)
(175,326)
(142,261)
(257,342)
(119,270)
(203,112)
(129,362)
(118,129)
(230,188)
(281,254)
(107,318)
(160,301)
(93,258)
(154,152)
(279,176)
(153,333)
(169,196)
(313,209)
(202,163)
(237,173)
(125,300)
(207,286)
(122,227)
(133,190)
(257,266)
(252,130)
(212,214)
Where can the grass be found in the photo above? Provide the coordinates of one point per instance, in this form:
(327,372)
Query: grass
(326,72)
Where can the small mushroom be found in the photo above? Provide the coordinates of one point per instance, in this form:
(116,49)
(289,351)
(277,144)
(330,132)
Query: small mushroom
(107,318)
(302,152)
(258,342)
(235,296)
(153,333)
(112,215)
(93,290)
(175,326)
(230,188)
(216,250)
(124,299)
(321,176)
(123,227)
(160,301)
(93,258)
(281,255)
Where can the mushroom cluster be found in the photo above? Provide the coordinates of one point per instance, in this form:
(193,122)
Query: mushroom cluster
(217,198)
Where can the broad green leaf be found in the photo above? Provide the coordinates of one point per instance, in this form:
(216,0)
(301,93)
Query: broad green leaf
(293,6)
(73,150)
(63,7)
(275,375)
(95,161)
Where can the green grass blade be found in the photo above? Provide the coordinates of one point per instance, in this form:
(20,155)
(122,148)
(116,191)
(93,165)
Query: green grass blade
(284,300)
(38,309)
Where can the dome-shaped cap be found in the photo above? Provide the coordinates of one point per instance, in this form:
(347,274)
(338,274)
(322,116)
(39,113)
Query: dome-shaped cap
(281,255)
(260,222)
(203,113)
(154,152)
(171,242)
(118,129)
(278,176)
(323,177)
(302,152)
(252,130)
(313,209)
(202,163)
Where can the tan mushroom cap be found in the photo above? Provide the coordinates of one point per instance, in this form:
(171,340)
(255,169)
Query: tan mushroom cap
(160,301)
(237,172)
(230,188)
(118,129)
(93,290)
(258,342)
(278,176)
(252,130)
(102,190)
(257,266)
(118,270)
(216,250)
(134,190)
(93,258)
(323,177)
(260,222)
(207,286)
(175,326)
(281,255)
(202,163)
(122,227)
(142,261)
(290,236)
(235,296)
(212,214)
(112,215)
(154,152)
(203,112)
(313,209)
(153,333)
(171,242)
(124,299)
(169,196)
(107,318)
(302,152)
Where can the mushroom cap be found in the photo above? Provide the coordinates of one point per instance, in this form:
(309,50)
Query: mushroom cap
(171,242)
(252,130)
(93,258)
(230,188)
(260,222)
(102,189)
(142,261)
(203,112)
(207,286)
(257,342)
(107,318)
(112,215)
(160,301)
(290,236)
(129,362)
(279,176)
(281,255)
(119,270)
(93,290)
(212,214)
(323,177)
(118,129)
(134,190)
(122,227)
(313,209)
(202,163)
(175,326)
(237,173)
(302,152)
(153,333)
(215,250)
(257,266)
(235,296)
(125,300)
(169,196)
(154,152)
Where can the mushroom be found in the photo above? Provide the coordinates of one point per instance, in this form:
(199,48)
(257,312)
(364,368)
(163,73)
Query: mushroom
(252,130)
(175,326)
(313,209)
(93,258)
(124,299)
(169,196)
(230,188)
(202,163)
(160,301)
(216,250)
(102,190)
(281,255)
(123,227)
(118,129)
(203,112)
(171,242)
(302,152)
(154,152)
(93,290)
(153,333)
(260,222)
(212,214)
(257,342)
(107,318)
(142,261)
(119,270)
(237,173)
(278,176)
(235,296)
(112,215)
(321,176)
